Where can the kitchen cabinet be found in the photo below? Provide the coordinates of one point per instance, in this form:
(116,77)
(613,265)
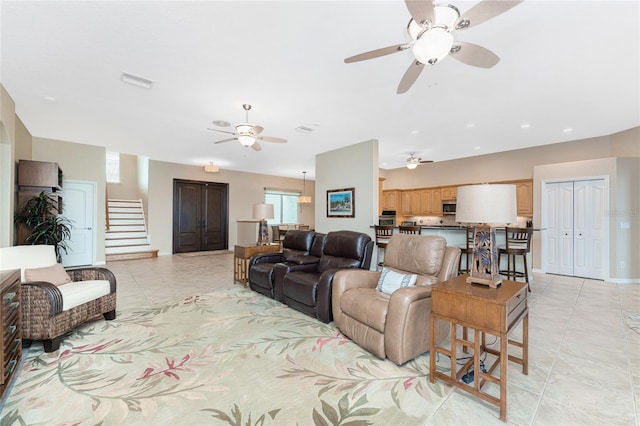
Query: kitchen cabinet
(390,200)
(449,192)
(524,197)
(410,203)
(431,202)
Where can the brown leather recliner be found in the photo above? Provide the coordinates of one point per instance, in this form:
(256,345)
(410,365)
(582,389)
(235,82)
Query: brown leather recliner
(395,326)
(295,250)
(282,269)
(308,289)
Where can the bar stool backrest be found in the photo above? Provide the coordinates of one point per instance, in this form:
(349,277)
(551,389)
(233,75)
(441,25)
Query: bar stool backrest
(518,238)
(410,229)
(383,234)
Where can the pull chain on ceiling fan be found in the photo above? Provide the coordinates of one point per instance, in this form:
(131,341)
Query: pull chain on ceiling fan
(430,28)
(248,134)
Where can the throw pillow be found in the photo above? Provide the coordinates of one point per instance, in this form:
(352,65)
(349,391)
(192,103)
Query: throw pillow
(54,274)
(390,281)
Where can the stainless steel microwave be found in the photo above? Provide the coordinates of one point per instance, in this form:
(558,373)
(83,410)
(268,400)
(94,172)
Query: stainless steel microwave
(448,207)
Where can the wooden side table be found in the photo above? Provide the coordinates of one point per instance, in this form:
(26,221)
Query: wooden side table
(486,310)
(241,256)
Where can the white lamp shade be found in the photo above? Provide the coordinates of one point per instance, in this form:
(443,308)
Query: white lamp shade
(433,46)
(263,211)
(246,138)
(487,203)
(304,199)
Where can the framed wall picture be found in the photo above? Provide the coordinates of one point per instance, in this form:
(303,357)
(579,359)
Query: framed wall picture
(341,202)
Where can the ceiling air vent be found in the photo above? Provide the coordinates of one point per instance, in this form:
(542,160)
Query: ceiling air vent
(136,80)
(304,129)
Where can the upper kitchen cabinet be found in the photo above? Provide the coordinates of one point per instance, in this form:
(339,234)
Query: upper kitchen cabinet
(411,203)
(430,202)
(524,197)
(448,192)
(390,200)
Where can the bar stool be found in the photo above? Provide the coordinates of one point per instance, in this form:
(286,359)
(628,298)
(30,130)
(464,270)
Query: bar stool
(383,235)
(517,243)
(466,251)
(410,229)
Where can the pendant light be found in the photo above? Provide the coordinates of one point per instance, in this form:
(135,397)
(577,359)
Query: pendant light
(304,199)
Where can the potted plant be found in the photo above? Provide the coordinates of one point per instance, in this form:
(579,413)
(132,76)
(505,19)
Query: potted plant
(39,215)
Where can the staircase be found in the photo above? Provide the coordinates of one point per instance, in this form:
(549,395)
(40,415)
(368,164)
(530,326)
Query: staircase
(126,236)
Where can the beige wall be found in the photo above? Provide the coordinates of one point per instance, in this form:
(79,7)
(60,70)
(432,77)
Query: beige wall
(24,142)
(511,165)
(7,167)
(352,166)
(128,188)
(245,189)
(79,162)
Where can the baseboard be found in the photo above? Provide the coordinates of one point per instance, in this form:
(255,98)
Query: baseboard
(623,280)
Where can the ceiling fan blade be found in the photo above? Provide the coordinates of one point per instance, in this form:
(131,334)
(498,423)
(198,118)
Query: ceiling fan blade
(377,53)
(226,140)
(474,55)
(271,139)
(256,146)
(421,10)
(221,131)
(426,161)
(484,11)
(256,130)
(410,77)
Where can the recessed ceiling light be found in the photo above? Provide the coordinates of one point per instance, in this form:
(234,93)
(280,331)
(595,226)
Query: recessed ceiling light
(471,125)
(136,80)
(568,130)
(476,148)
(415,132)
(221,123)
(525,125)
(49,98)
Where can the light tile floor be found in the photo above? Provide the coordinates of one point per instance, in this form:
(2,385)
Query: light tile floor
(584,349)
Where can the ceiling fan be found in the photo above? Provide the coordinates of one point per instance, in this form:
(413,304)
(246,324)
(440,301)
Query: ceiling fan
(413,161)
(430,29)
(248,134)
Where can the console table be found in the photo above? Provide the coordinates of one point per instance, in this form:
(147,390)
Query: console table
(241,256)
(494,311)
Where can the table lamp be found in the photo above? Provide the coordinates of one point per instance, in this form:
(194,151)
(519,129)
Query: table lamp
(262,212)
(485,206)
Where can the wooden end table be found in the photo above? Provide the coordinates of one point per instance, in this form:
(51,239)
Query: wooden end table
(241,256)
(494,311)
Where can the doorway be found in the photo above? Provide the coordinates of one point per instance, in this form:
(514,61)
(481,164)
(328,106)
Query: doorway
(576,241)
(79,206)
(200,216)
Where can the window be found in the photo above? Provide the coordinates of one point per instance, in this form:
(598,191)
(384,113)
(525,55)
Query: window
(285,206)
(113,167)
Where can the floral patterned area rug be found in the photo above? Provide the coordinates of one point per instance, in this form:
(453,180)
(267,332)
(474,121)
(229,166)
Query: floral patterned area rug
(229,357)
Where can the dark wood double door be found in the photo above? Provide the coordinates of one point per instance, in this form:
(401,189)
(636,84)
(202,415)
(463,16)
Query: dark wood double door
(200,216)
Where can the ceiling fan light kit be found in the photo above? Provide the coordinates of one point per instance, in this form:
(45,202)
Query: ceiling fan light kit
(247,134)
(430,29)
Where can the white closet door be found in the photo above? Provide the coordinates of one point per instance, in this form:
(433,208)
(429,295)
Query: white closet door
(564,214)
(551,237)
(589,232)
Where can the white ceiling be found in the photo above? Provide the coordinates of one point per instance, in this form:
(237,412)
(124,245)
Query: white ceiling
(564,64)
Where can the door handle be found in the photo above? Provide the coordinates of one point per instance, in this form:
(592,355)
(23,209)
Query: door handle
(89,228)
